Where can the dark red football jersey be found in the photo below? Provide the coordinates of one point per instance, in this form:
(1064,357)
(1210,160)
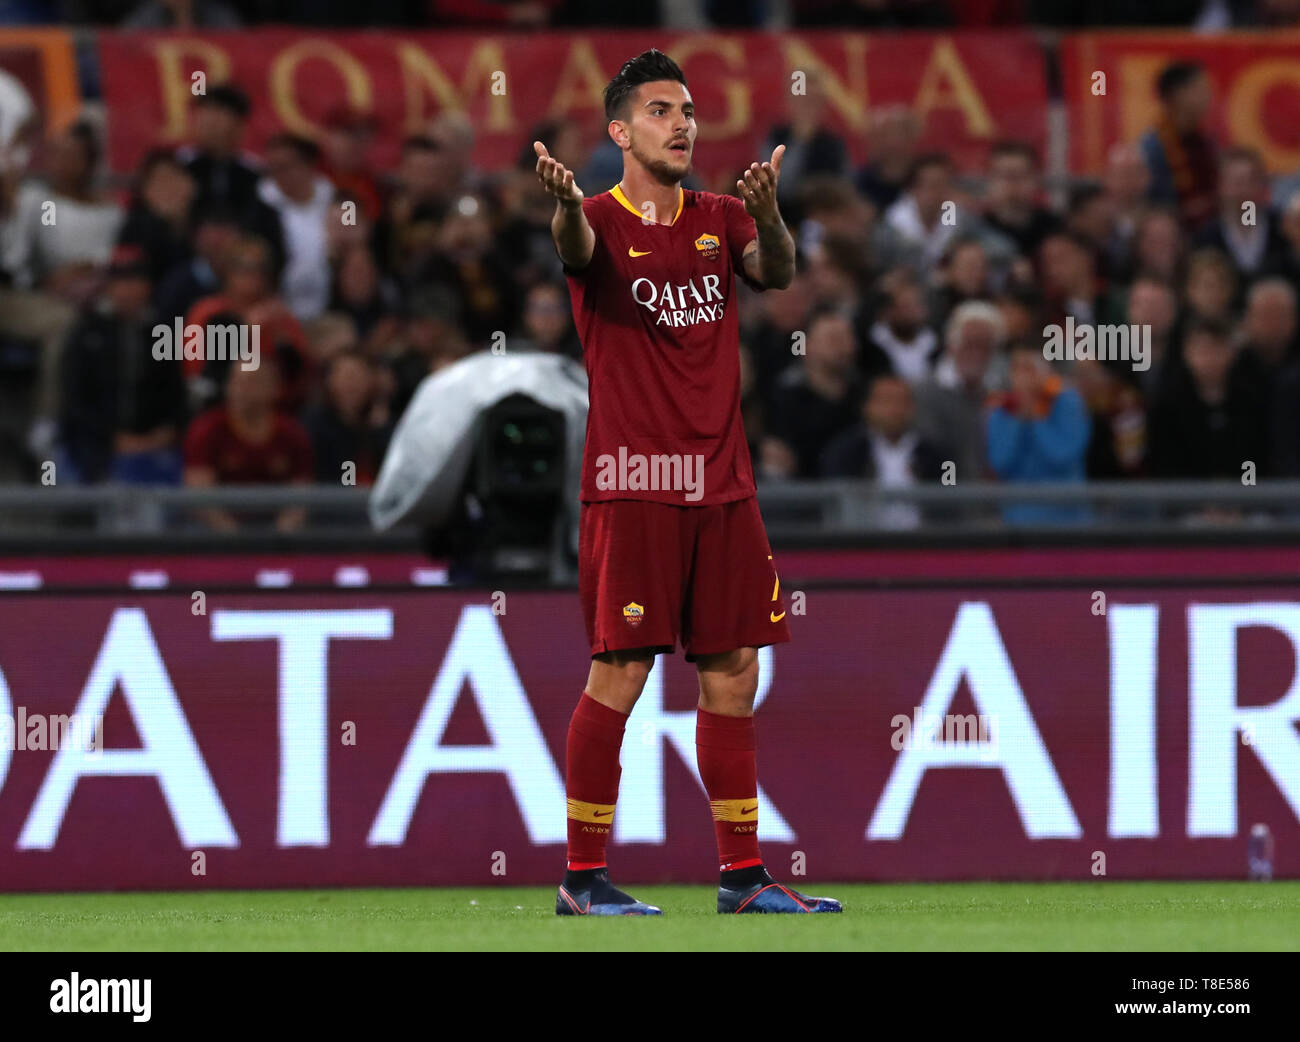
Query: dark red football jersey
(656,313)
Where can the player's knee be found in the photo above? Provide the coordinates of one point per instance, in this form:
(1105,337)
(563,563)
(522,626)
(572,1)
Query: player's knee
(729,683)
(617,677)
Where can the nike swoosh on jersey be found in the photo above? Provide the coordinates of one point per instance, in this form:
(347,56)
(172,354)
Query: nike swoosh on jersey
(637,253)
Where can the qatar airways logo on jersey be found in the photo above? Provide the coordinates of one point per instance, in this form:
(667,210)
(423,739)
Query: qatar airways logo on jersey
(682,304)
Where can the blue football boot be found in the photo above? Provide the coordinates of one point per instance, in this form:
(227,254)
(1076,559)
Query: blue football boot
(765,894)
(598,896)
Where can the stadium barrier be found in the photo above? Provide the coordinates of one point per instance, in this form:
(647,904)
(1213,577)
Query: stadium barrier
(1022,713)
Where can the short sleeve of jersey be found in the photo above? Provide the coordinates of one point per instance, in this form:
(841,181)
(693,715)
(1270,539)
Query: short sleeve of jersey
(741,231)
(600,256)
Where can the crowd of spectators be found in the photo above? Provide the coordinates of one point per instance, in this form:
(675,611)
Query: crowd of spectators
(910,347)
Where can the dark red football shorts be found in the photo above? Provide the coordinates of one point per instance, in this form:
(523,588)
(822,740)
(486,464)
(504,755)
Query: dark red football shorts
(651,574)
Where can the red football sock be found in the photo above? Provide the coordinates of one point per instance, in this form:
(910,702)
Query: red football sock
(591,772)
(724,749)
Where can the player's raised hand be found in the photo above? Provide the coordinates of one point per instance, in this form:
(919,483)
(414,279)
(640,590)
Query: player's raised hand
(556,177)
(758,188)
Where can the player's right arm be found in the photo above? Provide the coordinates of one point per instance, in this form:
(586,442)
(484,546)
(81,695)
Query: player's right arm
(575,240)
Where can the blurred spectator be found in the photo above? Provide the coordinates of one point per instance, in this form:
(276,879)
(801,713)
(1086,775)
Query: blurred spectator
(62,230)
(962,275)
(345,146)
(811,146)
(838,274)
(122,410)
(770,338)
(351,426)
(899,341)
(886,449)
(1211,286)
(832,209)
(363,293)
(57,238)
(158,219)
(923,220)
(295,189)
(1178,152)
(527,208)
(1021,310)
(1117,443)
(548,323)
(1038,432)
(1152,305)
(222,172)
(182,14)
(1268,351)
(1269,325)
(215,232)
(431,338)
(1208,419)
(1070,284)
(419,199)
(248,441)
(814,400)
(950,404)
(1089,218)
(1159,247)
(467,259)
(1244,228)
(247,296)
(1126,182)
(892,139)
(1013,207)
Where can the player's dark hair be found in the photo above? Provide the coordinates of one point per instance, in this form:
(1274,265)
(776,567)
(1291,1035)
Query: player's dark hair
(1175,76)
(647,67)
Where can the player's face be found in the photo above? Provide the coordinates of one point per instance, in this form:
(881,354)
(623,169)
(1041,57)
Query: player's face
(660,129)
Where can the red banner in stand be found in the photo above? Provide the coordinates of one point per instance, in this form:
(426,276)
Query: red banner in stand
(1109,82)
(971,88)
(354,737)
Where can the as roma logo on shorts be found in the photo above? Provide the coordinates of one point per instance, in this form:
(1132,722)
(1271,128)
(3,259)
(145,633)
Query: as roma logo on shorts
(708,245)
(633,613)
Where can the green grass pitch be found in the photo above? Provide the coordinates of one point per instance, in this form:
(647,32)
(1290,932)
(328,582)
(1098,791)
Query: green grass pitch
(1093,916)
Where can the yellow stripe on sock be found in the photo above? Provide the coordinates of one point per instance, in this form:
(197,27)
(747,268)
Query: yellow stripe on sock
(596,812)
(734,810)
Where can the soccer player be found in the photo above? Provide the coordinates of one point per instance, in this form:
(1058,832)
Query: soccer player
(672,546)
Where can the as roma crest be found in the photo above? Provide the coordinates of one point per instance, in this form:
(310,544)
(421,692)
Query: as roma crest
(708,245)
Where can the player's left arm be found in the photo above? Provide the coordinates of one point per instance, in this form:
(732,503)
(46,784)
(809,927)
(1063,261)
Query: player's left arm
(768,259)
